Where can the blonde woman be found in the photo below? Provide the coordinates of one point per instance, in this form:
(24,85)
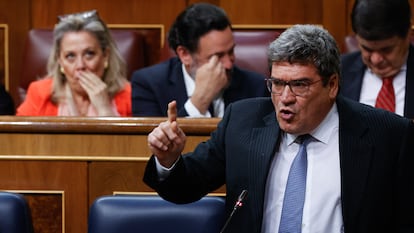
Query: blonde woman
(86,74)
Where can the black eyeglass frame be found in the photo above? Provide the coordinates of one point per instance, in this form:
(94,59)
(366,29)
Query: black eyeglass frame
(297,87)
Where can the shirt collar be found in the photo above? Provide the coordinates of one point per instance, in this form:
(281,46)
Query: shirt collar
(189,81)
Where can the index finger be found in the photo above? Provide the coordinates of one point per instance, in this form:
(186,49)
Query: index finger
(213,60)
(172,111)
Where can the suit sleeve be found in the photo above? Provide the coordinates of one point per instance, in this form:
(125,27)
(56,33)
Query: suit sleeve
(195,174)
(405,177)
(6,102)
(144,99)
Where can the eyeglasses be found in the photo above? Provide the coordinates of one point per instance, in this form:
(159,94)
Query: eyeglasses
(93,14)
(297,87)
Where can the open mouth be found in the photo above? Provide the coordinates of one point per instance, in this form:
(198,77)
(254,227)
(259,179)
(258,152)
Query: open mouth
(286,114)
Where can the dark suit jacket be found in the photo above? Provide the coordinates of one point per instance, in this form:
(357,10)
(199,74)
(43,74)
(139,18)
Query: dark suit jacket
(6,102)
(353,72)
(155,86)
(376,167)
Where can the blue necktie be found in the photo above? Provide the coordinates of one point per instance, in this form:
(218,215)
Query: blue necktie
(291,219)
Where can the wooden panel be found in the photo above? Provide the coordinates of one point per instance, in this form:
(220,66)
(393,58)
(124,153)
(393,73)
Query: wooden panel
(16,15)
(83,157)
(24,14)
(47,209)
(4,55)
(335,10)
(107,177)
(153,35)
(45,12)
(249,12)
(274,11)
(40,176)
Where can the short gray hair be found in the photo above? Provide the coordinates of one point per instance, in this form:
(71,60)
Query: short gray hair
(308,45)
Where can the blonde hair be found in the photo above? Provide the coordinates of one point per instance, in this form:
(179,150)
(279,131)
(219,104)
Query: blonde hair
(115,73)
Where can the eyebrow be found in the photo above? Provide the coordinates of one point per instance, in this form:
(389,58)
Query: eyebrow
(388,47)
(221,53)
(299,79)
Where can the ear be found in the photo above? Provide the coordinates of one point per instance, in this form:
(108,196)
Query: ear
(59,62)
(107,53)
(184,55)
(333,85)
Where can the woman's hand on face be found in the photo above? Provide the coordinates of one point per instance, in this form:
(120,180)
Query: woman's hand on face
(97,91)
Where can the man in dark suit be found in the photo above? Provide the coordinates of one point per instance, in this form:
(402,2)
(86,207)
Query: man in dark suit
(202,78)
(355,172)
(382,29)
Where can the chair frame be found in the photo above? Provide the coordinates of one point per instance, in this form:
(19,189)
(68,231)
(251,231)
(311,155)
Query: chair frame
(281,27)
(141,26)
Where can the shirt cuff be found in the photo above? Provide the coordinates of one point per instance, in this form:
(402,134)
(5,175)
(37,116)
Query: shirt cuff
(193,111)
(162,171)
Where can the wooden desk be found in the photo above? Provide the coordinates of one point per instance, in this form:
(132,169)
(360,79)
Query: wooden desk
(62,164)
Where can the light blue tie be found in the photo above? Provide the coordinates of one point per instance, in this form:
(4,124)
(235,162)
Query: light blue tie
(291,219)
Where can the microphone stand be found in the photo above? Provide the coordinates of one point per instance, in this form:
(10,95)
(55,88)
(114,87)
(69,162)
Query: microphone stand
(237,206)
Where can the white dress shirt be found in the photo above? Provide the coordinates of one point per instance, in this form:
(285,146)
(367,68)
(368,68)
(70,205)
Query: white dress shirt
(322,212)
(371,85)
(218,103)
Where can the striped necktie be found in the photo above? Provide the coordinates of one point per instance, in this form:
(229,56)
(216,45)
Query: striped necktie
(292,210)
(386,96)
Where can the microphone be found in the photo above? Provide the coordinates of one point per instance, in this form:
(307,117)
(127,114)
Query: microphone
(239,203)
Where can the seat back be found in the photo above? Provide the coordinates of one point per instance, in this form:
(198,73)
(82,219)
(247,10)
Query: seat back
(351,44)
(251,49)
(252,42)
(39,43)
(15,214)
(152,214)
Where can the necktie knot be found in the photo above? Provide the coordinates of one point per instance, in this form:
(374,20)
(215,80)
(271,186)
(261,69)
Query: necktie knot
(304,139)
(387,80)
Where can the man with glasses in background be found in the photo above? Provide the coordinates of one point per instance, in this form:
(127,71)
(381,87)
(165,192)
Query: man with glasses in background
(310,159)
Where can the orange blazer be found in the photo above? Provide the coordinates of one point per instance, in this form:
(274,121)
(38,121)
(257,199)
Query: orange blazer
(38,100)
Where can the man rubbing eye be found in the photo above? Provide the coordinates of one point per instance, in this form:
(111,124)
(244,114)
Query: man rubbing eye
(202,79)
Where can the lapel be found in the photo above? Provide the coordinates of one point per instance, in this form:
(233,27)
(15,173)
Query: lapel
(232,93)
(409,95)
(176,86)
(264,142)
(355,151)
(354,74)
